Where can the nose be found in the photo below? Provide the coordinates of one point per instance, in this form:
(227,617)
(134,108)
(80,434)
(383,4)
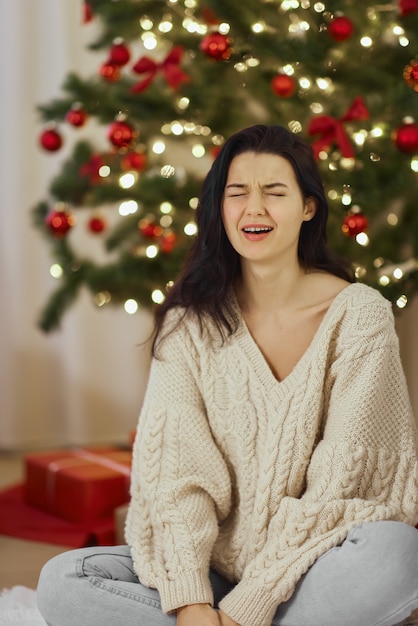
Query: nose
(255,204)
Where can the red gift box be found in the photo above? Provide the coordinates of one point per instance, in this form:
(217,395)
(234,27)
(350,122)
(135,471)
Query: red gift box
(78,485)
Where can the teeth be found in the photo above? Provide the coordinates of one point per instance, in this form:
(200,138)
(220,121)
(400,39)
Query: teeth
(256,229)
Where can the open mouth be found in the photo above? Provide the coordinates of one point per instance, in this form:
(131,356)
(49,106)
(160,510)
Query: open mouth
(257,229)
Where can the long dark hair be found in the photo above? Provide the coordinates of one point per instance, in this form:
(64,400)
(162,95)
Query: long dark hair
(213,265)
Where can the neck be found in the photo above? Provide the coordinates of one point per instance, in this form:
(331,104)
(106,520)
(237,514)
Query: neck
(267,289)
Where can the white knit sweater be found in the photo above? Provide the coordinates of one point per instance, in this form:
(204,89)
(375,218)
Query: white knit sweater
(257,478)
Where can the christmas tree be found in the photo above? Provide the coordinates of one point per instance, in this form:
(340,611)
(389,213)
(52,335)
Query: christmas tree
(176,78)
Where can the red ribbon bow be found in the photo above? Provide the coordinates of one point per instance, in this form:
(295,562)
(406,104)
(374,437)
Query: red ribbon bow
(408,6)
(333,131)
(170,68)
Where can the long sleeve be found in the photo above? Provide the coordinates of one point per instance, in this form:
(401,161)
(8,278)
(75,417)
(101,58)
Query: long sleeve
(363,468)
(180,483)
(258,478)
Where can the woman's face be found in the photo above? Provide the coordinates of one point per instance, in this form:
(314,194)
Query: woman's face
(263,208)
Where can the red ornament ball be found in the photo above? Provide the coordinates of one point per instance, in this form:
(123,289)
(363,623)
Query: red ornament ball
(150,229)
(215,151)
(97,224)
(354,224)
(341,28)
(410,74)
(283,85)
(76,116)
(91,168)
(87,12)
(168,242)
(406,137)
(134,161)
(408,6)
(119,54)
(110,72)
(120,134)
(217,46)
(60,222)
(50,140)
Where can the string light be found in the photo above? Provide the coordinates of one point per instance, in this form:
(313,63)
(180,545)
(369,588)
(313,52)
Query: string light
(362,239)
(149,41)
(289,4)
(151,251)
(166,207)
(392,219)
(360,137)
(252,62)
(146,23)
(128,207)
(347,163)
(131,306)
(376,131)
(360,272)
(287,69)
(224,28)
(166,25)
(190,229)
(104,171)
(183,103)
(193,27)
(316,108)
(166,221)
(240,67)
(56,270)
(384,280)
(295,126)
(102,297)
(387,273)
(324,83)
(128,180)
(198,151)
(157,296)
(366,42)
(258,27)
(305,82)
(167,171)
(176,128)
(158,147)
(401,302)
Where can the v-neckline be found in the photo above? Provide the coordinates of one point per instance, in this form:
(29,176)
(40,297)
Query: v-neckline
(259,361)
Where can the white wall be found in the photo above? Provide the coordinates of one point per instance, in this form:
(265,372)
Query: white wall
(84,383)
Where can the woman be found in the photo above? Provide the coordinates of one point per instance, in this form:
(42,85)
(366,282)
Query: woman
(275,465)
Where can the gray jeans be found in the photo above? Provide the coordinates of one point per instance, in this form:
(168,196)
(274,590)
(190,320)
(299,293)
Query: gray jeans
(370,580)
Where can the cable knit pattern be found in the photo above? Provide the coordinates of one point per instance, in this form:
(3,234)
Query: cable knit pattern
(257,478)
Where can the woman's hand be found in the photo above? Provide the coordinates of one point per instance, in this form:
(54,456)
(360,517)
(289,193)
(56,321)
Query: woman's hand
(197,615)
(225,620)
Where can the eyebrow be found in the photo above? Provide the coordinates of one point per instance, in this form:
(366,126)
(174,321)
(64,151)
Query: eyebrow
(267,186)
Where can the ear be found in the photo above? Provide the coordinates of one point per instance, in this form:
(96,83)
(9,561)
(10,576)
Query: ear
(310,208)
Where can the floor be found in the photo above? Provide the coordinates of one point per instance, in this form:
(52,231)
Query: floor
(20,561)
